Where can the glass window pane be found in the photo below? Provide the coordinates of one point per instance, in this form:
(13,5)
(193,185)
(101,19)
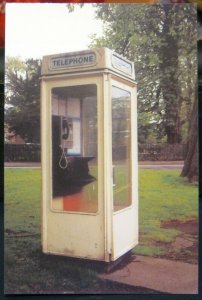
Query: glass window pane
(121,145)
(74,149)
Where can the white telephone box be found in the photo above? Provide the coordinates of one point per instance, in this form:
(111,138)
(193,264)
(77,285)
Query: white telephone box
(89,155)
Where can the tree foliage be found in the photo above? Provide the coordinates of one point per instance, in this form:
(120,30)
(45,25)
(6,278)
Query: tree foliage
(162,41)
(22,98)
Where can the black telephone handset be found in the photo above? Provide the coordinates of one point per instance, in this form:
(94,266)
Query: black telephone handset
(65,127)
(65,143)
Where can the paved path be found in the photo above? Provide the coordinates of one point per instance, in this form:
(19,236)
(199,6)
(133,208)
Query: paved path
(170,165)
(161,166)
(22,165)
(157,274)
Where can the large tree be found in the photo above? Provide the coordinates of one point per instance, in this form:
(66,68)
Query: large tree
(22,109)
(161,40)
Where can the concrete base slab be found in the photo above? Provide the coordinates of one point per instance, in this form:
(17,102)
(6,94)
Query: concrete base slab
(162,275)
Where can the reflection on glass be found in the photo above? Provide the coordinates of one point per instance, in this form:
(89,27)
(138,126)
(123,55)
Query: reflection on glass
(74,149)
(121,144)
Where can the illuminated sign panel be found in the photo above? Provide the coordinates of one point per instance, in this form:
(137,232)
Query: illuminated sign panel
(73,61)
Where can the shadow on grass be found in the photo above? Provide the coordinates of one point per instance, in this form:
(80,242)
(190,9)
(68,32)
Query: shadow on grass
(28,270)
(50,274)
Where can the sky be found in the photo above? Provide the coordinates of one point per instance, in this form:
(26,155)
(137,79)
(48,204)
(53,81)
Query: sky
(34,30)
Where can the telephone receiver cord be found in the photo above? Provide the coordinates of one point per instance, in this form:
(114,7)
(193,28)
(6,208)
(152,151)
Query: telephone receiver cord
(63,158)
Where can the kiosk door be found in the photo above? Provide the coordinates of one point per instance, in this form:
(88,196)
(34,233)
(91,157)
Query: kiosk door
(124,163)
(73,212)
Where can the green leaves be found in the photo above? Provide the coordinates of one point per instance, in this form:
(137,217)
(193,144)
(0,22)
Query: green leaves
(162,41)
(22,113)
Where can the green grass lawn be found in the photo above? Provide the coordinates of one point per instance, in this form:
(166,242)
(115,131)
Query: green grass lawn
(163,196)
(22,200)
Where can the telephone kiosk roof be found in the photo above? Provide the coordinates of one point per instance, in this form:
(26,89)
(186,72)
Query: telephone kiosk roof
(88,60)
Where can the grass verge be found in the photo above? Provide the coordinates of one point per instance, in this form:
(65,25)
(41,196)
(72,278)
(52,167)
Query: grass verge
(163,196)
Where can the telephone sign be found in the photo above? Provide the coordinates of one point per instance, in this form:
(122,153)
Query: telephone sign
(73,61)
(122,65)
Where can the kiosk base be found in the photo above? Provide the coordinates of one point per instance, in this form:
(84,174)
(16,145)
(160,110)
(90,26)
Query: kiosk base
(99,266)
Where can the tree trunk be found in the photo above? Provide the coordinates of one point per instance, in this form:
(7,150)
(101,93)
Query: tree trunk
(190,168)
(169,81)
